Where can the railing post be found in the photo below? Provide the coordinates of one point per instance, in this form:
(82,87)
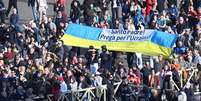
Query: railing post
(72,97)
(89,96)
(48,97)
(86,94)
(181,80)
(117,87)
(104,94)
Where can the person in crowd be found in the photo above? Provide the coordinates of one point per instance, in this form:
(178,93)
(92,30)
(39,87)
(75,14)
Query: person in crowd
(161,5)
(59,19)
(88,13)
(92,59)
(180,49)
(104,5)
(98,79)
(150,6)
(95,22)
(75,11)
(138,19)
(146,72)
(105,23)
(14,18)
(106,58)
(153,21)
(83,83)
(34,62)
(34,29)
(51,27)
(130,24)
(186,38)
(109,81)
(11,3)
(106,15)
(176,67)
(120,71)
(33,4)
(133,78)
(181,25)
(166,74)
(118,25)
(115,9)
(42,8)
(157,68)
(59,6)
(196,34)
(133,59)
(196,57)
(2,11)
(174,13)
(161,22)
(184,5)
(63,85)
(126,91)
(125,11)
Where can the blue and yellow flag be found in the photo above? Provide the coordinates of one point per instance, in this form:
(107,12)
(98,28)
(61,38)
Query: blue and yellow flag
(150,42)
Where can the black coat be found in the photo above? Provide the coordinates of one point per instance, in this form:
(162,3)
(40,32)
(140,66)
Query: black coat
(1,4)
(117,1)
(106,60)
(75,13)
(31,3)
(12,2)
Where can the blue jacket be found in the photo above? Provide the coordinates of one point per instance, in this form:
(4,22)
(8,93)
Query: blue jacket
(173,11)
(126,9)
(180,50)
(138,18)
(14,18)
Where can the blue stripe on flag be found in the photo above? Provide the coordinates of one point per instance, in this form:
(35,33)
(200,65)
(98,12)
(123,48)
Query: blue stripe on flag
(164,39)
(85,32)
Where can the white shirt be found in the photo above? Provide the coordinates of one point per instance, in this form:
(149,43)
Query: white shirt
(182,96)
(98,81)
(197,60)
(74,86)
(114,3)
(42,4)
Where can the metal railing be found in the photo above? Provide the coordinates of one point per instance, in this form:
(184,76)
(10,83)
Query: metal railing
(87,94)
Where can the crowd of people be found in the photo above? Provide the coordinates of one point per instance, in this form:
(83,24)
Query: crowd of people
(34,62)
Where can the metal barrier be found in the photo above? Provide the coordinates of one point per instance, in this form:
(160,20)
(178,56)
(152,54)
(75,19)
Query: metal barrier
(87,94)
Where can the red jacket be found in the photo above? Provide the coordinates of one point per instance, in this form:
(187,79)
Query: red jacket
(62,2)
(55,91)
(136,79)
(150,4)
(9,55)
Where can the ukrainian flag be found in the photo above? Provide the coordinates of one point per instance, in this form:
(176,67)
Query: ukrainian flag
(156,43)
